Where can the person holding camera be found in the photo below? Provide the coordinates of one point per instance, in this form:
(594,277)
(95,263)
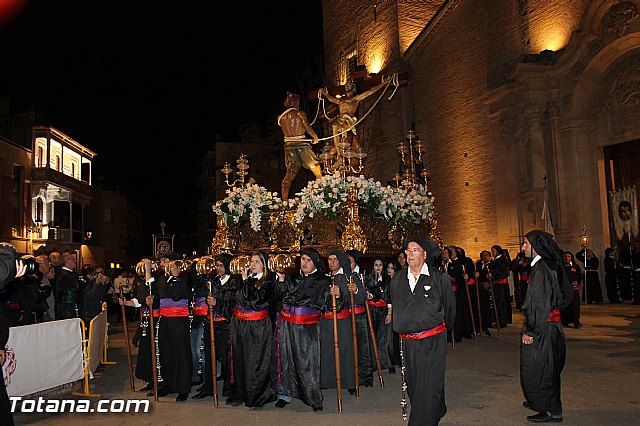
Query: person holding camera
(94,291)
(10,268)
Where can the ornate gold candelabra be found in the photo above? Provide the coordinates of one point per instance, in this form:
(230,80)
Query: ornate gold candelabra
(242,165)
(353,237)
(413,172)
(340,159)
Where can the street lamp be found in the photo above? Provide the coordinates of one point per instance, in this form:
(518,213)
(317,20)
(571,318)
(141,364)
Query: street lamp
(584,242)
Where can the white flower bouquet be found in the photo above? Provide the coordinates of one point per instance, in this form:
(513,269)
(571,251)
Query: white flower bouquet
(247,202)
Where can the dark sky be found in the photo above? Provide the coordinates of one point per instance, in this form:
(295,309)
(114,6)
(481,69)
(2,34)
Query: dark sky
(148,85)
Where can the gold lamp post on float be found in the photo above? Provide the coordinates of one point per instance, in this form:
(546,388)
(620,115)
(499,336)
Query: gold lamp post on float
(340,159)
(242,165)
(584,242)
(412,168)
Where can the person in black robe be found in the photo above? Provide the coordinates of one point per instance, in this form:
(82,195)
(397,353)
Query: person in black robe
(543,349)
(610,276)
(393,267)
(147,298)
(499,270)
(592,284)
(457,268)
(224,287)
(423,309)
(366,361)
(484,292)
(468,275)
(251,337)
(380,313)
(174,345)
(297,343)
(339,270)
(199,324)
(572,273)
(521,269)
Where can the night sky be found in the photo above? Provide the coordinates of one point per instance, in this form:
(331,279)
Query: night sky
(148,85)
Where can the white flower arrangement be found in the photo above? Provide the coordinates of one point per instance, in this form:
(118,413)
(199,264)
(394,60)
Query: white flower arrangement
(326,196)
(396,205)
(249,201)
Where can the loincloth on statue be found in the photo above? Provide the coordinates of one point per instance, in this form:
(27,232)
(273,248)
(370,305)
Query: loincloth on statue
(298,153)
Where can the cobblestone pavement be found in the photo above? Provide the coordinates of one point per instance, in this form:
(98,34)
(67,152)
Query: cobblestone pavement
(600,385)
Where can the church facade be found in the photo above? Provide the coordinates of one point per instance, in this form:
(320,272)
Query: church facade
(521,105)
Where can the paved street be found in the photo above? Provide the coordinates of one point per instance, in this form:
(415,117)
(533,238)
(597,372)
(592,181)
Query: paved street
(600,385)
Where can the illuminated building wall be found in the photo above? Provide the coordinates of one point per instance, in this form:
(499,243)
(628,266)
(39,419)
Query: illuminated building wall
(496,114)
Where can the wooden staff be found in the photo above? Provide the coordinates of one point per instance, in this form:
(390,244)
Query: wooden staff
(478,302)
(356,370)
(126,339)
(212,341)
(493,299)
(152,337)
(453,338)
(336,347)
(374,341)
(473,321)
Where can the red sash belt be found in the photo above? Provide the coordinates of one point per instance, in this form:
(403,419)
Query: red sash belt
(15,306)
(575,285)
(501,281)
(251,315)
(201,311)
(554,316)
(218,318)
(174,312)
(423,334)
(378,304)
(156,313)
(454,286)
(300,319)
(340,315)
(359,309)
(471,281)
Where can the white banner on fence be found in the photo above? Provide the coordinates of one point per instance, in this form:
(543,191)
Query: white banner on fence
(96,340)
(43,356)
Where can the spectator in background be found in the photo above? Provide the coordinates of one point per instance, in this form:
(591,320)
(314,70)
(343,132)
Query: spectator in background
(68,286)
(610,276)
(94,291)
(592,288)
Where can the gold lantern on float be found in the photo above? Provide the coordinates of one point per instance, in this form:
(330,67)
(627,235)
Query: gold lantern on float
(155,266)
(206,265)
(239,264)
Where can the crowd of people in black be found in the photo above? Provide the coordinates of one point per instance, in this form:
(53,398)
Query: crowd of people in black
(269,327)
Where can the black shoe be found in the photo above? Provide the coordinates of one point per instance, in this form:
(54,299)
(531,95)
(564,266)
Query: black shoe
(352,391)
(234,402)
(257,407)
(392,370)
(161,392)
(526,405)
(577,325)
(487,332)
(281,403)
(544,418)
(147,388)
(316,409)
(182,397)
(202,394)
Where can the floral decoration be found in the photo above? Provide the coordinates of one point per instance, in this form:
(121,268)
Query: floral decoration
(325,196)
(247,202)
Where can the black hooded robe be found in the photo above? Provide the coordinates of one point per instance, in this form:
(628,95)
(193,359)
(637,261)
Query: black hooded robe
(543,361)
(297,340)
